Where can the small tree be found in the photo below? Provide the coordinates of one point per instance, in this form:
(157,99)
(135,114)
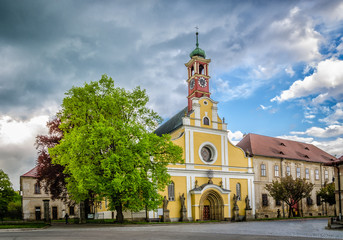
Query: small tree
(109,147)
(289,190)
(14,207)
(6,193)
(327,193)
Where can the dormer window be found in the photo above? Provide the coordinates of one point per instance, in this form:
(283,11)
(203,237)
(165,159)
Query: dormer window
(306,148)
(281,152)
(306,156)
(282,144)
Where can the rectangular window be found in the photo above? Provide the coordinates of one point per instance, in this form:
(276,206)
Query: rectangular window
(264,199)
(326,175)
(307,173)
(37,188)
(171,192)
(263,170)
(298,172)
(276,170)
(71,211)
(309,201)
(319,201)
(317,174)
(288,171)
(277,202)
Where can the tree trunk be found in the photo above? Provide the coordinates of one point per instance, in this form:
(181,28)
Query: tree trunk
(290,211)
(120,216)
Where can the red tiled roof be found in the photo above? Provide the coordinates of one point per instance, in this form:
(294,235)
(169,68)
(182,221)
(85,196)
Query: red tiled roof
(32,173)
(259,145)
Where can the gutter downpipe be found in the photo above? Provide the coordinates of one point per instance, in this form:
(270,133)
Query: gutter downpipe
(339,194)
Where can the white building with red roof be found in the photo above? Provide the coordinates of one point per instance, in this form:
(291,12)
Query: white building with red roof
(33,196)
(274,158)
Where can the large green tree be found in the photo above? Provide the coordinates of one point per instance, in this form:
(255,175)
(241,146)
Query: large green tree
(109,148)
(6,193)
(289,190)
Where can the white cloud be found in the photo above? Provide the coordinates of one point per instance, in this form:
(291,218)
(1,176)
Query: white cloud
(334,117)
(227,92)
(235,137)
(327,132)
(333,147)
(327,81)
(296,138)
(265,108)
(289,70)
(17,150)
(14,131)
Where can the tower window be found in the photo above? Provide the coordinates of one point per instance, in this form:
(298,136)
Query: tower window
(171,191)
(192,71)
(206,121)
(201,68)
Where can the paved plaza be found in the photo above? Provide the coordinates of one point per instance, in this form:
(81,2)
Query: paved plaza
(287,229)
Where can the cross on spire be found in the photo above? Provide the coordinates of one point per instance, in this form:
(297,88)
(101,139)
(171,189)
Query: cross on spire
(197,42)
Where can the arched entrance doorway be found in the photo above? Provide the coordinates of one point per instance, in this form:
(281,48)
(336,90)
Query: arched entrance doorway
(211,206)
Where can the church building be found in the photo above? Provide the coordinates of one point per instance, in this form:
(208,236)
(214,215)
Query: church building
(216,181)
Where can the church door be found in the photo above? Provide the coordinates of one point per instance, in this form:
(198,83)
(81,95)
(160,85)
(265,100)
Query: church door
(207,212)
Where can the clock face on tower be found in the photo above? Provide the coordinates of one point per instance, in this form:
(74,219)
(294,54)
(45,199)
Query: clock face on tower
(202,82)
(191,84)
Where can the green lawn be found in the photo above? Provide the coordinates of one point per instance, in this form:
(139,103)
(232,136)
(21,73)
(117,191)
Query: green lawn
(22,225)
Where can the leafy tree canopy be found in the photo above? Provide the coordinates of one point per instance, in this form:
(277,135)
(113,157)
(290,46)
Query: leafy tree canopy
(6,193)
(289,190)
(327,193)
(109,146)
(51,176)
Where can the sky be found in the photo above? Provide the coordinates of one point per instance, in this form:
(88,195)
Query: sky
(276,66)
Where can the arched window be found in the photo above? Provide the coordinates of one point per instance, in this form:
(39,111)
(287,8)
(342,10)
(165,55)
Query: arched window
(171,191)
(206,121)
(238,191)
(192,71)
(201,68)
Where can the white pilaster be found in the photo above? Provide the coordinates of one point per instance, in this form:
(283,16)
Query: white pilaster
(187,145)
(191,147)
(189,200)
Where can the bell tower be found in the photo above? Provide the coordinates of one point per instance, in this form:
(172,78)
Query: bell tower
(198,78)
